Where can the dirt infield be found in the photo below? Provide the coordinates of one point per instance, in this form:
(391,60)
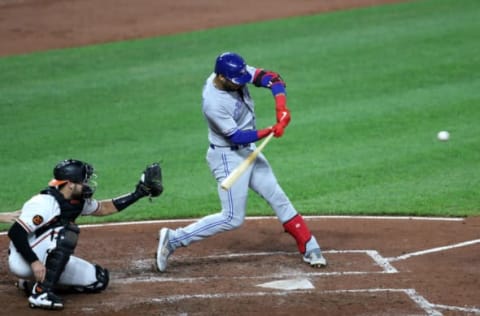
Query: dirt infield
(33,25)
(376,266)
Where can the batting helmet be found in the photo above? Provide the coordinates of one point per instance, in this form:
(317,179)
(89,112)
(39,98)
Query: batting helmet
(233,67)
(74,171)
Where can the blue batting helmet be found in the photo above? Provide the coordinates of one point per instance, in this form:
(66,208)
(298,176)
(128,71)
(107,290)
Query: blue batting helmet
(233,67)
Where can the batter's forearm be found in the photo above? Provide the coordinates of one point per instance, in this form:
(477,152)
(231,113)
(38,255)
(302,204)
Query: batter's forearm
(250,136)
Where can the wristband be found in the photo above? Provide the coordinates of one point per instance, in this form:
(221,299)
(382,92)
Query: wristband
(261,133)
(122,202)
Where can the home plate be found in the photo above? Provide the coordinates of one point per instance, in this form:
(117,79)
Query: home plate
(293,284)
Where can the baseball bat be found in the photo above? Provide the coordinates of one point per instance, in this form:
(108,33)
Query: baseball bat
(237,172)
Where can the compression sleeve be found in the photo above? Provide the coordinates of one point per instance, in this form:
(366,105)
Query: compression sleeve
(244,137)
(19,238)
(249,136)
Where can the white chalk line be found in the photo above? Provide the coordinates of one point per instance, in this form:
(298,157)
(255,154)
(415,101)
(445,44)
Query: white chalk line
(253,218)
(156,279)
(373,254)
(432,250)
(384,263)
(381,261)
(256,218)
(376,257)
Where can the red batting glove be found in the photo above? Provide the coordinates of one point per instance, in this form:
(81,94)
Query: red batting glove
(278,129)
(283,114)
(283,117)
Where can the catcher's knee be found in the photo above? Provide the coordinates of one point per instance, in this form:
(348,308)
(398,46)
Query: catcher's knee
(102,279)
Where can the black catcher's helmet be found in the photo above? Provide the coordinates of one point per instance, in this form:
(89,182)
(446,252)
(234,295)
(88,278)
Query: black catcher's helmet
(74,171)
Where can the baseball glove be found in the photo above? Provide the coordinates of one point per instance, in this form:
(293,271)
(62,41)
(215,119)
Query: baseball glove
(151,181)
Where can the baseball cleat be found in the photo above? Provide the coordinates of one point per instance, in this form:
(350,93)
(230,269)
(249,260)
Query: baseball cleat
(315,258)
(45,300)
(164,250)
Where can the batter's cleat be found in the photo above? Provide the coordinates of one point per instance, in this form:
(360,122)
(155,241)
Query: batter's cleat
(315,258)
(164,250)
(44,299)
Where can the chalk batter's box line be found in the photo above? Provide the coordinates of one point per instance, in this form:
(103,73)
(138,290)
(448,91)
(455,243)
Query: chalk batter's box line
(421,302)
(373,254)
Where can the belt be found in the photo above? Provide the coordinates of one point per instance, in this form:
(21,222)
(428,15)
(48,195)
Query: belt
(234,147)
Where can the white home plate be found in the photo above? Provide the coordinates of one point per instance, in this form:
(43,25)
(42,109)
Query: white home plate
(293,284)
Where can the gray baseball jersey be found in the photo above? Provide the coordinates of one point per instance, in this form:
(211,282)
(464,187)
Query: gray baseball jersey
(225,113)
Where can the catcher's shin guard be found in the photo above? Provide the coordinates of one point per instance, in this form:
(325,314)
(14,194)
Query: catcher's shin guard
(297,228)
(58,258)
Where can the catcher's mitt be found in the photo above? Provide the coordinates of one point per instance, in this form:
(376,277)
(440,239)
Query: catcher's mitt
(151,181)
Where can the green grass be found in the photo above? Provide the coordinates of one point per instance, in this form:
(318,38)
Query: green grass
(368,90)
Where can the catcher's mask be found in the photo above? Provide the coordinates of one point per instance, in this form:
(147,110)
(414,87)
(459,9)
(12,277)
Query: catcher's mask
(75,171)
(233,67)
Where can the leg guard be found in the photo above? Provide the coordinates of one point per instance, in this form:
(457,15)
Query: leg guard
(297,228)
(103,277)
(58,257)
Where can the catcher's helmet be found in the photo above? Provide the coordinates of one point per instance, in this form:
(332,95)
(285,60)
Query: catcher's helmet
(233,67)
(74,171)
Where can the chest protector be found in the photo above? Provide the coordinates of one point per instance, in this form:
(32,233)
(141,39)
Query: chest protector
(69,209)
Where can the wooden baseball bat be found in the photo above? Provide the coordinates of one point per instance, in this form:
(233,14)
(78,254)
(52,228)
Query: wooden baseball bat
(237,172)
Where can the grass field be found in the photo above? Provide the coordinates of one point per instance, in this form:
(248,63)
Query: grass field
(368,90)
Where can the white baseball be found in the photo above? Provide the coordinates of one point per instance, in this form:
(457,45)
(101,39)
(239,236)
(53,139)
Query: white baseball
(443,135)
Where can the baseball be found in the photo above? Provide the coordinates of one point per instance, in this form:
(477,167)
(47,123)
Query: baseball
(443,135)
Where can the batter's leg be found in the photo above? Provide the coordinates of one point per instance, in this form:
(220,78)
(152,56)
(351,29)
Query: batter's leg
(232,215)
(264,182)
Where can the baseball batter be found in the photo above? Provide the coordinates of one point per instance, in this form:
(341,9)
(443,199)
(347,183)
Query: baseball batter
(232,132)
(45,235)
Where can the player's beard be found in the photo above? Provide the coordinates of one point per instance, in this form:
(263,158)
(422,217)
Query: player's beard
(77,192)
(225,84)
(230,86)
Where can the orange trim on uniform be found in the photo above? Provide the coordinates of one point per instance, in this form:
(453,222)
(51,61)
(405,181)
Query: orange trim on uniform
(56,183)
(46,235)
(24,226)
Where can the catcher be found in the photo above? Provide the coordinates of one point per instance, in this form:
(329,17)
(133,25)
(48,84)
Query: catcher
(45,235)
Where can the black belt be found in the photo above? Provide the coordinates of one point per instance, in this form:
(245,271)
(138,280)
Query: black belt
(234,147)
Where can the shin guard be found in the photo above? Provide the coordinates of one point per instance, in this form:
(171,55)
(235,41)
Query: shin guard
(299,230)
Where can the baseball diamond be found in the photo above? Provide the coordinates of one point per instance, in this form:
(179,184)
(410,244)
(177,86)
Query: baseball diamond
(388,266)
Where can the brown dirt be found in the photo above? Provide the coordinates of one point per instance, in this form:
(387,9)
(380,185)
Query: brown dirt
(33,25)
(220,276)
(367,274)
